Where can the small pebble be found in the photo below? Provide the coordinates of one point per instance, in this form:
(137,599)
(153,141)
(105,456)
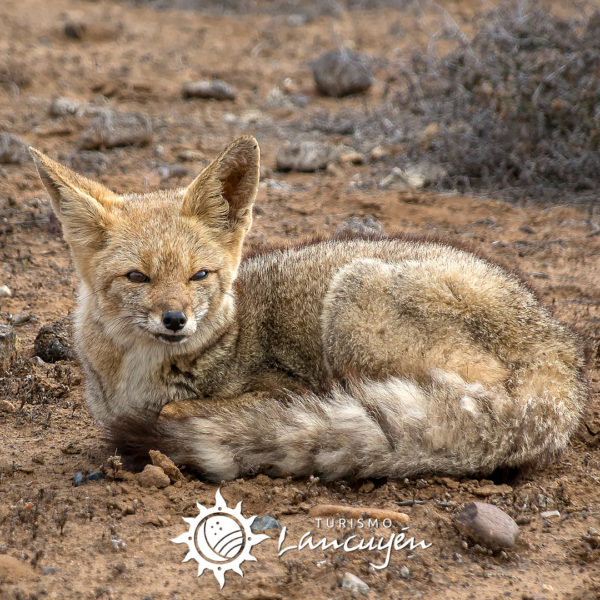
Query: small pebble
(405,572)
(305,156)
(5,292)
(487,524)
(61,107)
(38,361)
(167,465)
(153,476)
(264,523)
(20,318)
(95,476)
(354,583)
(78,479)
(215,90)
(364,225)
(548,514)
(50,570)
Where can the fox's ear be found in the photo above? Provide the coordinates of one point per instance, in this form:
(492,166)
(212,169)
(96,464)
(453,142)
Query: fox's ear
(223,194)
(80,204)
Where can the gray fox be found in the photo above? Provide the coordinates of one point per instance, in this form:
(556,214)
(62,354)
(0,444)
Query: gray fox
(343,358)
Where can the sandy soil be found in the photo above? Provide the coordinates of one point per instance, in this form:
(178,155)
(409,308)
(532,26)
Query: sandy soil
(110,538)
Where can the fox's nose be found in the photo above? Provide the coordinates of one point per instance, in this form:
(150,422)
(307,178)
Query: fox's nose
(174,320)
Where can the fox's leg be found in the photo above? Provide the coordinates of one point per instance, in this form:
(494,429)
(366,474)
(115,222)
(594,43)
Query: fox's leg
(207,407)
(404,320)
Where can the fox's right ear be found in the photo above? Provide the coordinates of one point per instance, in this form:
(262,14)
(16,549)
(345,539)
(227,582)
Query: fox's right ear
(80,204)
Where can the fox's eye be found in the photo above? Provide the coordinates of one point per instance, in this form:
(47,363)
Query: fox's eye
(137,277)
(199,275)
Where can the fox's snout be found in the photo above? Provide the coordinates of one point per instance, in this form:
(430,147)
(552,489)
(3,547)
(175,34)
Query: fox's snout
(174,320)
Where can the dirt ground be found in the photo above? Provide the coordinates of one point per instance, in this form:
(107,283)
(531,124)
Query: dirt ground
(110,538)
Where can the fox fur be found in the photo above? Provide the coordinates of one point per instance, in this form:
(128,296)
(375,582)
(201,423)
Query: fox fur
(345,358)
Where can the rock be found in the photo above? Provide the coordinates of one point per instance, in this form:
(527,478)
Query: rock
(89,162)
(352,157)
(215,89)
(61,107)
(487,524)
(402,179)
(305,156)
(13,150)
(21,318)
(74,30)
(8,346)
(78,479)
(342,72)
(167,465)
(526,229)
(50,570)
(13,569)
(92,31)
(413,177)
(405,572)
(354,584)
(153,476)
(367,487)
(378,153)
(36,360)
(366,225)
(53,341)
(492,490)
(5,291)
(111,129)
(264,523)
(95,476)
(7,406)
(549,514)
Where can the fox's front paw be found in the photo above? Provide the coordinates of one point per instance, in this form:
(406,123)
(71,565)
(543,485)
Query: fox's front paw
(182,409)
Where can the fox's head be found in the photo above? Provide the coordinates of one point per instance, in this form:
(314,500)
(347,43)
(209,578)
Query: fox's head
(160,264)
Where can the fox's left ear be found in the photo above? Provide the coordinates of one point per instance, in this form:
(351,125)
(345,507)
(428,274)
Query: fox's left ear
(223,194)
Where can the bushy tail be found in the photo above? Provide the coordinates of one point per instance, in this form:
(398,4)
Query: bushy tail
(393,428)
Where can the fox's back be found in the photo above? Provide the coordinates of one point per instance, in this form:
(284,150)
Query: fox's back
(281,293)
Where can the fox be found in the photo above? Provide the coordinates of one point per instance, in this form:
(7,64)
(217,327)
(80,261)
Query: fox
(353,357)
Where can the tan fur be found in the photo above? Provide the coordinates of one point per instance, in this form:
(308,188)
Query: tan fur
(342,358)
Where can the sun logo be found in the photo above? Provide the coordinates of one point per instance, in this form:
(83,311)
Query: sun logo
(219,539)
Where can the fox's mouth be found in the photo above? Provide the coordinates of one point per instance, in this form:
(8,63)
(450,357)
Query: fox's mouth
(170,339)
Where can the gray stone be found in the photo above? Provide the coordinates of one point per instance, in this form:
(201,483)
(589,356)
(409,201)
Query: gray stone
(365,225)
(215,90)
(487,524)
(61,107)
(13,150)
(342,72)
(305,156)
(89,162)
(21,318)
(264,523)
(111,129)
(354,584)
